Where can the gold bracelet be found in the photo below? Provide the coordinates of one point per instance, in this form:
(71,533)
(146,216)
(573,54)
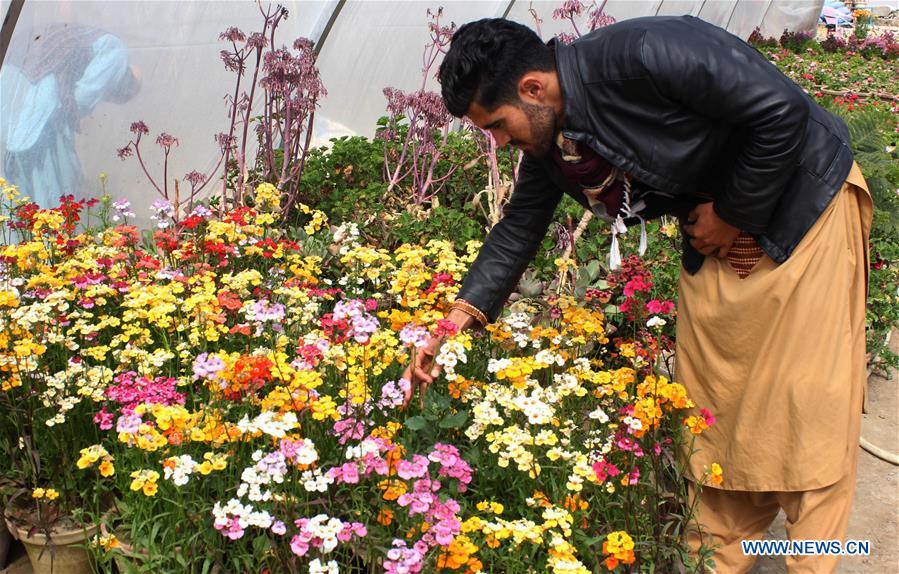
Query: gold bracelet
(470,310)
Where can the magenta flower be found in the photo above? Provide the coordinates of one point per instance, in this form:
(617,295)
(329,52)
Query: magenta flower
(104,419)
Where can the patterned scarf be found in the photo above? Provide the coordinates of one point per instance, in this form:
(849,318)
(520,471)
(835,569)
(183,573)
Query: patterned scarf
(609,190)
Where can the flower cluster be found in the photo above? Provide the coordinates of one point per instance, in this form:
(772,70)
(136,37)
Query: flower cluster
(248,385)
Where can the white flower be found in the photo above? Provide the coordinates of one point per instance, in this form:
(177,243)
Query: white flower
(179,469)
(270,423)
(315,481)
(330,567)
(496,365)
(656,321)
(599,415)
(538,412)
(634,423)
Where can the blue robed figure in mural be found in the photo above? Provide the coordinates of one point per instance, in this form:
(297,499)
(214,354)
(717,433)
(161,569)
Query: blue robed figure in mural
(65,74)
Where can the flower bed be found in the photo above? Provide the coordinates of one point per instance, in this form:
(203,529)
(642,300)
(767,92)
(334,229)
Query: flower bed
(235,390)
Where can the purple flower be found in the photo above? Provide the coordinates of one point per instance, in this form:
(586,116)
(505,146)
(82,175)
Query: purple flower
(349,429)
(125,152)
(163,211)
(233,34)
(166,141)
(140,128)
(393,394)
(207,366)
(128,423)
(414,335)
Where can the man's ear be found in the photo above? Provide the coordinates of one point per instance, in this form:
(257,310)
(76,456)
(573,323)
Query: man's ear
(532,88)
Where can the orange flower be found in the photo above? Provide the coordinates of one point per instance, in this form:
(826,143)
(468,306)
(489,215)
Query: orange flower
(385,517)
(696,424)
(716,475)
(229,300)
(393,489)
(620,547)
(106,467)
(575,503)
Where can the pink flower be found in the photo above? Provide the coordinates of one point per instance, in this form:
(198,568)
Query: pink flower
(104,419)
(634,476)
(451,464)
(656,307)
(347,473)
(416,468)
(298,545)
(349,429)
(604,470)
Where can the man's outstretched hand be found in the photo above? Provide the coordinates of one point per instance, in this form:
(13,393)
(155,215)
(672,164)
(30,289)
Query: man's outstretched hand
(708,233)
(423,369)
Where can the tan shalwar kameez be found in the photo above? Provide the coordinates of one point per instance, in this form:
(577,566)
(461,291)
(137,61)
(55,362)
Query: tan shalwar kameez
(778,357)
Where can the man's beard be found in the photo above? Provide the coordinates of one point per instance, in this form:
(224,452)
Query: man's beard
(544,125)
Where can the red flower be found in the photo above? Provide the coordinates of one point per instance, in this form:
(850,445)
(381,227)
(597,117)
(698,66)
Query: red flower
(229,300)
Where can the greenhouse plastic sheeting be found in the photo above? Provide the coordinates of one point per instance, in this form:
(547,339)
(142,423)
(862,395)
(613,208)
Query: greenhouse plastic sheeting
(78,73)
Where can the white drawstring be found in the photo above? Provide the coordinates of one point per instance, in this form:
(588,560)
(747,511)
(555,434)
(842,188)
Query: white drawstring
(643,240)
(618,226)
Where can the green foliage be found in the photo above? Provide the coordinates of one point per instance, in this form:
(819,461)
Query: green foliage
(438,223)
(873,141)
(345,179)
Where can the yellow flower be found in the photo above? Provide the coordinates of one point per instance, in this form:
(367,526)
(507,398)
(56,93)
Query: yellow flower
(51,494)
(716,475)
(145,480)
(90,455)
(106,467)
(393,489)
(38,493)
(107,542)
(268,197)
(696,424)
(620,547)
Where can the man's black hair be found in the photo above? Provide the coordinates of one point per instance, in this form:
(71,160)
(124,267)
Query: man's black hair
(486,60)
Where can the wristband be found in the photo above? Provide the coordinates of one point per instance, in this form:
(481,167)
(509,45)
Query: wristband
(470,310)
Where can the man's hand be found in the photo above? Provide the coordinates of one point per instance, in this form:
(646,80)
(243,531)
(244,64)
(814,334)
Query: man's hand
(708,233)
(421,372)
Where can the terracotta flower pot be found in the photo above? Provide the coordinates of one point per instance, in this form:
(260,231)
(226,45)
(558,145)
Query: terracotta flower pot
(63,553)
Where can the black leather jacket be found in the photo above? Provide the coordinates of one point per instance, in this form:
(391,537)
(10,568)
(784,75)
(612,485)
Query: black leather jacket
(691,111)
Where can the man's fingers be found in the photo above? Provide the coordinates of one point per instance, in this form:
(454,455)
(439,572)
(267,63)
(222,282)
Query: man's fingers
(407,396)
(422,377)
(722,252)
(422,391)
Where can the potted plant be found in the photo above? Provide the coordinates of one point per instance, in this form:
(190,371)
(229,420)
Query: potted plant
(47,388)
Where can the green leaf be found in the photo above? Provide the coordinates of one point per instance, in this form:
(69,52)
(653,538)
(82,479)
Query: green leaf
(454,421)
(260,545)
(416,423)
